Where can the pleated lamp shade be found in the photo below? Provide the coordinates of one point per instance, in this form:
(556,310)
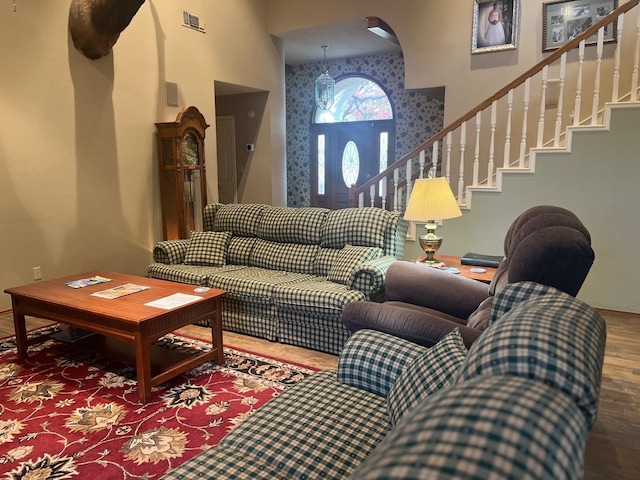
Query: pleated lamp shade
(431,199)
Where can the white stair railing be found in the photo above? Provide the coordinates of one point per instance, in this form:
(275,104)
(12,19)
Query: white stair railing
(618,69)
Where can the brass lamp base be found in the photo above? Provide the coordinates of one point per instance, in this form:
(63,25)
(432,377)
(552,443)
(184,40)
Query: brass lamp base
(430,243)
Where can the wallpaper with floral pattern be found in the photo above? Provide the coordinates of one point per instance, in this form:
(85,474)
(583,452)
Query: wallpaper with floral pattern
(418,116)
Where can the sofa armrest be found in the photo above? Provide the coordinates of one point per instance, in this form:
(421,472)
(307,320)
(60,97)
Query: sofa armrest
(435,289)
(170,252)
(369,277)
(372,361)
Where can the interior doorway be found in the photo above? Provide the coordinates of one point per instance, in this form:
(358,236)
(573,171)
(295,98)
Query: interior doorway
(226,151)
(239,114)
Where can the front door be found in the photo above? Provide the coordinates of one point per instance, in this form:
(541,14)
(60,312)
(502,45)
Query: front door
(345,154)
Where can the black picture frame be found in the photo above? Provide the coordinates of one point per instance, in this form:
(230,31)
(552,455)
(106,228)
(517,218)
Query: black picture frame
(562,20)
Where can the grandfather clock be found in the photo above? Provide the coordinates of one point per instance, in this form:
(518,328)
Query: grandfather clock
(183,184)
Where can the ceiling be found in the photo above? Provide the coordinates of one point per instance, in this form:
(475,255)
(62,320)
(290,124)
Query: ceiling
(345,39)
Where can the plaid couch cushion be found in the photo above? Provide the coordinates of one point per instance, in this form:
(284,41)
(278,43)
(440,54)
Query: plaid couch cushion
(428,373)
(325,259)
(373,360)
(293,225)
(240,249)
(191,274)
(253,284)
(350,258)
(239,219)
(316,429)
(554,338)
(290,257)
(489,427)
(357,226)
(315,295)
(207,248)
(170,252)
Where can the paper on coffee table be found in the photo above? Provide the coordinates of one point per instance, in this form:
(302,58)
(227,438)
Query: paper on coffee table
(174,301)
(120,291)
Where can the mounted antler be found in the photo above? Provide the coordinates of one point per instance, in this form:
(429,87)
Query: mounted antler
(95,25)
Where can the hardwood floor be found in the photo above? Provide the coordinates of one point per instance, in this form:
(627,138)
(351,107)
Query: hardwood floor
(290,353)
(613,449)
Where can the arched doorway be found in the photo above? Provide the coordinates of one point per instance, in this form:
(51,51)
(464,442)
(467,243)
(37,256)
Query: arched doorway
(350,142)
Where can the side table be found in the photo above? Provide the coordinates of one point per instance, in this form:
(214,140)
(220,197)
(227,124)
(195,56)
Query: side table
(465,270)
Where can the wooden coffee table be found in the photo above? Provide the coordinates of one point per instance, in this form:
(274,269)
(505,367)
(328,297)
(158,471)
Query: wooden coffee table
(126,326)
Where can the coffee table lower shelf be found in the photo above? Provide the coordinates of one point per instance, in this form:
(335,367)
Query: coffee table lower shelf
(165,363)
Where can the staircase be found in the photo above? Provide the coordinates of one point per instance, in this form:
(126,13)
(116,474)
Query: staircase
(569,88)
(562,133)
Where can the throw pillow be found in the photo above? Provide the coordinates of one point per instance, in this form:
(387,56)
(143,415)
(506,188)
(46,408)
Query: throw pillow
(349,258)
(425,375)
(207,248)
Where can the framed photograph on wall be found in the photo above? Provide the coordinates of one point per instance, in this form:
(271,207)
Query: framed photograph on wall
(563,20)
(495,25)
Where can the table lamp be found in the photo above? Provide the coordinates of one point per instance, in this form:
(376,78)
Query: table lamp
(431,199)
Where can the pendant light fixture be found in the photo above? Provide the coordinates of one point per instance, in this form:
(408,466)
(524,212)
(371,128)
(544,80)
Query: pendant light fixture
(325,86)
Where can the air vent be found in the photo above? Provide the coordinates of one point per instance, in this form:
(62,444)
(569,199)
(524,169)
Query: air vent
(193,21)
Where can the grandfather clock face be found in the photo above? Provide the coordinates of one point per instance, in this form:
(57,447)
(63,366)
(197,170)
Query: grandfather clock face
(189,149)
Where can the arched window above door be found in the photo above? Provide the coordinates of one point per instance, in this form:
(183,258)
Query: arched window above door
(357,99)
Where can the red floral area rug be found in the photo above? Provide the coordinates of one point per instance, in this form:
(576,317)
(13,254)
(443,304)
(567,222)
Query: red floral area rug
(72,414)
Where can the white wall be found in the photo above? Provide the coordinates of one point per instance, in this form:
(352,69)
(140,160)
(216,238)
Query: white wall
(78,171)
(435,36)
(604,169)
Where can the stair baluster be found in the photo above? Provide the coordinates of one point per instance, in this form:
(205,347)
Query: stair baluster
(596,87)
(492,142)
(507,137)
(578,105)
(447,172)
(476,155)
(525,112)
(463,145)
(563,68)
(518,96)
(543,105)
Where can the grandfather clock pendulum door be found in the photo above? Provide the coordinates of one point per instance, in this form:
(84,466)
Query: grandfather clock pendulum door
(183,184)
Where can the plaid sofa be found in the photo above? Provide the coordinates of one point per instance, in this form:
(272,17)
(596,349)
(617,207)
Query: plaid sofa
(518,405)
(288,272)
